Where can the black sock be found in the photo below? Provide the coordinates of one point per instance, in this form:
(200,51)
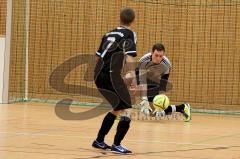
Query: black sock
(168,110)
(122,130)
(106,126)
(177,108)
(180,108)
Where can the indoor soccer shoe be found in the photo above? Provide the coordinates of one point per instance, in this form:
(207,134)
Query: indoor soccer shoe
(100,145)
(120,149)
(187,112)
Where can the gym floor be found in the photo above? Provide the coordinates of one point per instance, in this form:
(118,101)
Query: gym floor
(33,130)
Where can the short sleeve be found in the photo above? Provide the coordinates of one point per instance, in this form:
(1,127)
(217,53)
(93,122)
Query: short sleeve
(100,50)
(129,44)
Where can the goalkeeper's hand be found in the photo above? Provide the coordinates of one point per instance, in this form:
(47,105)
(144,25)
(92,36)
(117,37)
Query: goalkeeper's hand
(145,107)
(157,113)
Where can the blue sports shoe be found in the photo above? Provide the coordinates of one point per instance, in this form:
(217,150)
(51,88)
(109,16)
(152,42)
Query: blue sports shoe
(120,149)
(100,145)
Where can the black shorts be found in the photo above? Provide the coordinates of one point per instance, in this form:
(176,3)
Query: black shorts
(113,89)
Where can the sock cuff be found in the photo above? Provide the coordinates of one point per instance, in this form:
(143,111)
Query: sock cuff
(163,113)
(173,108)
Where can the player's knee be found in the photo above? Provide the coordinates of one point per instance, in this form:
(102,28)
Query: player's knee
(124,112)
(126,116)
(125,119)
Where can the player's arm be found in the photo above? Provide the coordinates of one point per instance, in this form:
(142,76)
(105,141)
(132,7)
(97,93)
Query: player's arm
(164,82)
(144,104)
(129,46)
(98,57)
(143,81)
(131,66)
(100,50)
(163,88)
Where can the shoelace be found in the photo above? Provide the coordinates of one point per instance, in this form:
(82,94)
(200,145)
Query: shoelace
(101,144)
(121,148)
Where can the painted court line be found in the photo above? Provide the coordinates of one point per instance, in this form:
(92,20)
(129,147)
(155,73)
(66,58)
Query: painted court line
(132,141)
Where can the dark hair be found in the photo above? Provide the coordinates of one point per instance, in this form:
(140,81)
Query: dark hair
(127,16)
(158,47)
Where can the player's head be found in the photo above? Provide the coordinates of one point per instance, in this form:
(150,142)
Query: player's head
(158,52)
(127,16)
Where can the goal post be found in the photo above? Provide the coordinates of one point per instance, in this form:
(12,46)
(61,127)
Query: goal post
(5,47)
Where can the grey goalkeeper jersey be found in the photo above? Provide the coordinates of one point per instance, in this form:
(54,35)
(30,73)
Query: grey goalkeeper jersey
(152,71)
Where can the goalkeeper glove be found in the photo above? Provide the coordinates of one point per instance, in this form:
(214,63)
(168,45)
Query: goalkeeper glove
(145,107)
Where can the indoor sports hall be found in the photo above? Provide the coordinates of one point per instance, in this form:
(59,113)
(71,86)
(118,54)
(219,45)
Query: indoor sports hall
(51,108)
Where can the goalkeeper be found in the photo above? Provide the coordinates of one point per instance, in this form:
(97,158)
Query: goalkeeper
(152,73)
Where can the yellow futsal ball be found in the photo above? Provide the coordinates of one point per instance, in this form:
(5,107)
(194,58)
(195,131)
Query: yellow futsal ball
(160,101)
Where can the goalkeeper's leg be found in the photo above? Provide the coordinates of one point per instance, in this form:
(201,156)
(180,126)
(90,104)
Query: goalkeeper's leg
(185,109)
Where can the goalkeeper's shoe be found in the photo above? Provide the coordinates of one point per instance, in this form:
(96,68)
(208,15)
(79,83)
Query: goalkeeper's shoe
(187,112)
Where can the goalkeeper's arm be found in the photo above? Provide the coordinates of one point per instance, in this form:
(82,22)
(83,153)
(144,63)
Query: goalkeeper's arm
(144,104)
(163,82)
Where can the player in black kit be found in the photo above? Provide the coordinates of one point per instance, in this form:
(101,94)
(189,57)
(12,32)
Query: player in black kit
(117,48)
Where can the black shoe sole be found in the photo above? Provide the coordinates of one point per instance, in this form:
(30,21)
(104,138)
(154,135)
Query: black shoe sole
(107,148)
(120,153)
(128,153)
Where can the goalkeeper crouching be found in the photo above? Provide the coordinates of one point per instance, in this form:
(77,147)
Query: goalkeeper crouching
(152,73)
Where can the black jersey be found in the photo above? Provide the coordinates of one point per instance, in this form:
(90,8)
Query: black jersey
(114,46)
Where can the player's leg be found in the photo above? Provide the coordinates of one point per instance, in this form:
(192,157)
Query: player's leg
(121,106)
(122,129)
(103,84)
(185,109)
(187,112)
(123,110)
(107,124)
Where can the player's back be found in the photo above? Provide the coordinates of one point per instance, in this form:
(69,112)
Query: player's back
(114,46)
